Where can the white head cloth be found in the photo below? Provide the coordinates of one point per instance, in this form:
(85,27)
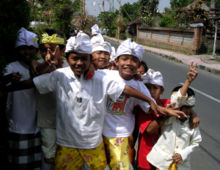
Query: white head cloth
(102,46)
(130,48)
(112,55)
(153,77)
(80,43)
(27,38)
(180,100)
(97,38)
(95,29)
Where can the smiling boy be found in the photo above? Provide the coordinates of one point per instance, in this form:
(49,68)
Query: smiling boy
(81,105)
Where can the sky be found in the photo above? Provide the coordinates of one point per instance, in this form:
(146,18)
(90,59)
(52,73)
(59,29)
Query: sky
(94,7)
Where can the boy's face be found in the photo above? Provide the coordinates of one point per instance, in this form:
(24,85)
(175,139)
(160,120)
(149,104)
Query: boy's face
(45,47)
(141,70)
(155,90)
(79,63)
(127,66)
(100,59)
(26,53)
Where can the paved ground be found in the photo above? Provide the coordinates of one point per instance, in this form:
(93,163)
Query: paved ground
(204,62)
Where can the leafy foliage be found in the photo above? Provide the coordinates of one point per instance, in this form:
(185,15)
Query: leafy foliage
(56,13)
(108,20)
(148,11)
(180,17)
(168,21)
(130,11)
(176,4)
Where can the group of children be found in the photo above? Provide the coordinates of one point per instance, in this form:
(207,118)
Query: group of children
(81,108)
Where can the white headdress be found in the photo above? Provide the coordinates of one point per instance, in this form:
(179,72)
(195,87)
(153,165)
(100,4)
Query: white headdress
(95,29)
(130,48)
(102,46)
(112,55)
(97,38)
(153,77)
(80,43)
(27,38)
(180,100)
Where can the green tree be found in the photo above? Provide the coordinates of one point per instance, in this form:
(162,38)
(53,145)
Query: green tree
(175,4)
(131,11)
(63,11)
(56,13)
(168,21)
(148,11)
(108,20)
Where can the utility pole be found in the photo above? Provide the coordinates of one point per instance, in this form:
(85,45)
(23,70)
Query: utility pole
(216,29)
(83,14)
(119,21)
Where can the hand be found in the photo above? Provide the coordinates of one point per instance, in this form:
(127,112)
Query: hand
(89,74)
(171,112)
(154,108)
(192,73)
(177,158)
(15,77)
(53,57)
(194,122)
(171,106)
(33,67)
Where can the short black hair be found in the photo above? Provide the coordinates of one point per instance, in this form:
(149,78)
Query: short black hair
(144,65)
(189,92)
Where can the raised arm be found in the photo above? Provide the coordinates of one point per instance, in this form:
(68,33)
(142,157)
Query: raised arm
(191,75)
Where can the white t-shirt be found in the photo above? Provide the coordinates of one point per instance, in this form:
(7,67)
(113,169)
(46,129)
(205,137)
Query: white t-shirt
(46,106)
(80,104)
(21,105)
(119,119)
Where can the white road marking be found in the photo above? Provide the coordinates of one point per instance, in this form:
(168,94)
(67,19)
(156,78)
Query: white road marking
(206,95)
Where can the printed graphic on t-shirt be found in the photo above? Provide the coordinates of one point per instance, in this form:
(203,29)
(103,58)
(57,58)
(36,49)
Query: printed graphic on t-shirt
(117,107)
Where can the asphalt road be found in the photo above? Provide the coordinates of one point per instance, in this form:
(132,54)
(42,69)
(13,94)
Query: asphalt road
(207,89)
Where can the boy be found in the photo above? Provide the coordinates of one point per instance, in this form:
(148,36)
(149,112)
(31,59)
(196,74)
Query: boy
(80,106)
(177,140)
(142,69)
(119,120)
(24,135)
(148,136)
(101,54)
(51,46)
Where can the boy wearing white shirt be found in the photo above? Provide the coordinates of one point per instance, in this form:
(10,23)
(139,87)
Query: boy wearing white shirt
(24,137)
(80,105)
(119,120)
(177,140)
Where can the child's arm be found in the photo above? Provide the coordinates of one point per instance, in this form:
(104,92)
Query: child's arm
(194,142)
(154,125)
(135,93)
(194,120)
(22,85)
(191,75)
